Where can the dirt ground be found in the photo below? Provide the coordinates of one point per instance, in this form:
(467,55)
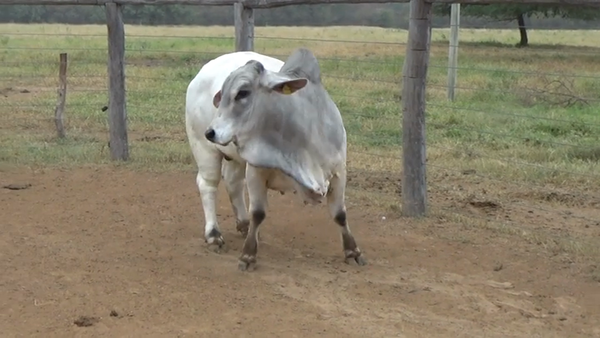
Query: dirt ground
(115,253)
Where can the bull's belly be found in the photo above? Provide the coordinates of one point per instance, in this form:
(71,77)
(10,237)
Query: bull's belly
(284,184)
(280,183)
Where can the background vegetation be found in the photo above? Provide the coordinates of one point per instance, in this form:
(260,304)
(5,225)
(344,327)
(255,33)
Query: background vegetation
(537,106)
(380,15)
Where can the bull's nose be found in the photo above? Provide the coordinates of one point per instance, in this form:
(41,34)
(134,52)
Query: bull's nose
(210,134)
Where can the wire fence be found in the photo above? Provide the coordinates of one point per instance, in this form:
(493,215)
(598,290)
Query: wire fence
(517,148)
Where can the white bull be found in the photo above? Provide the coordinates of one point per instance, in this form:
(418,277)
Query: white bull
(275,125)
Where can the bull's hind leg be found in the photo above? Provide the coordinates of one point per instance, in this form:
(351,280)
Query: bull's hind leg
(233,175)
(257,193)
(337,209)
(208,178)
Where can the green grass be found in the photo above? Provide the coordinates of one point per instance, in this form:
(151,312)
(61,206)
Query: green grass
(536,105)
(506,106)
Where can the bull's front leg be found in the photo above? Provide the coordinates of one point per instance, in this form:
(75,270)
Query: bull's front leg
(337,208)
(234,176)
(208,178)
(257,195)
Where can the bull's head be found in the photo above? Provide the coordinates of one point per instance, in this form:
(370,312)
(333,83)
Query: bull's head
(236,99)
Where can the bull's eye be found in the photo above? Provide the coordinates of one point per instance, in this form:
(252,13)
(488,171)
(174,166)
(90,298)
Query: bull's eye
(242,94)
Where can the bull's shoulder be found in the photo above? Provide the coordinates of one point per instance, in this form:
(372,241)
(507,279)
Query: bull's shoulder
(303,63)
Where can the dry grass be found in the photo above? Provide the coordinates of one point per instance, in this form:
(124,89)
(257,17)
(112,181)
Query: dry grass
(524,125)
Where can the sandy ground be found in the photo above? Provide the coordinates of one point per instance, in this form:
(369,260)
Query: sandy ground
(116,253)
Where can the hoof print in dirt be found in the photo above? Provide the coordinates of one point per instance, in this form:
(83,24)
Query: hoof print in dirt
(247,263)
(85,321)
(219,249)
(17,186)
(358,261)
(215,241)
(114,313)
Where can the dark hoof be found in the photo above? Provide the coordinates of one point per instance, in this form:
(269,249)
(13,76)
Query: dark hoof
(246,263)
(215,241)
(218,248)
(356,256)
(360,260)
(242,227)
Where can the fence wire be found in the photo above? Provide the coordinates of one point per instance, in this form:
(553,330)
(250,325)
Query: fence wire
(517,148)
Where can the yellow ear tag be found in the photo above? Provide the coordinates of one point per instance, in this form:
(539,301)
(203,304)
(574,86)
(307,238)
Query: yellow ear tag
(286,89)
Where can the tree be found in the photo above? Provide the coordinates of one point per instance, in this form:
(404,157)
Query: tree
(520,12)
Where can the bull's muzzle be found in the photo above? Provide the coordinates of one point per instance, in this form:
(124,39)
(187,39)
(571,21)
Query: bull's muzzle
(210,134)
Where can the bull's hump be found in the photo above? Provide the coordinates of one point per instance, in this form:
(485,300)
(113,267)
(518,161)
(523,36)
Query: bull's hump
(303,63)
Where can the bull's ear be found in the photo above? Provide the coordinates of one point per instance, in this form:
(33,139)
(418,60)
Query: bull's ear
(290,86)
(217,99)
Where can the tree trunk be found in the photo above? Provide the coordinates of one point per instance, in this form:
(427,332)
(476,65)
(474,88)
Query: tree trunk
(522,31)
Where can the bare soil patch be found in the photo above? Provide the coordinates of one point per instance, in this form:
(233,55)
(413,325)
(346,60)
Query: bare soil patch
(124,250)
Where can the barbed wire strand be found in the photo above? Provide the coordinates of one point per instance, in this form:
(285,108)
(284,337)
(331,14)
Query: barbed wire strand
(464,44)
(378,98)
(429,124)
(430,104)
(256,37)
(395,81)
(390,118)
(445,211)
(354,78)
(528,206)
(511,161)
(505,135)
(487,177)
(523,208)
(154,107)
(519,91)
(478,175)
(159,78)
(510,223)
(523,72)
(534,49)
(503,113)
(506,160)
(520,184)
(194,52)
(191,52)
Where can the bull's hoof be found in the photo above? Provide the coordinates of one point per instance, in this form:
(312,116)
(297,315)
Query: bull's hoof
(242,227)
(215,241)
(355,255)
(246,262)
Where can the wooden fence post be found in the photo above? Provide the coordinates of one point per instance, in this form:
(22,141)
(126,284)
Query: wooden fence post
(453,50)
(62,96)
(117,110)
(243,17)
(414,184)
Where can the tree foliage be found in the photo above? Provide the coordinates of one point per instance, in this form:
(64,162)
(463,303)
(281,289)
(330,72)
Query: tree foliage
(511,11)
(392,15)
(518,12)
(389,15)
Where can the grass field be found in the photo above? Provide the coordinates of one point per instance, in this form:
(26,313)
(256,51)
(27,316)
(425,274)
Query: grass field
(524,104)
(523,118)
